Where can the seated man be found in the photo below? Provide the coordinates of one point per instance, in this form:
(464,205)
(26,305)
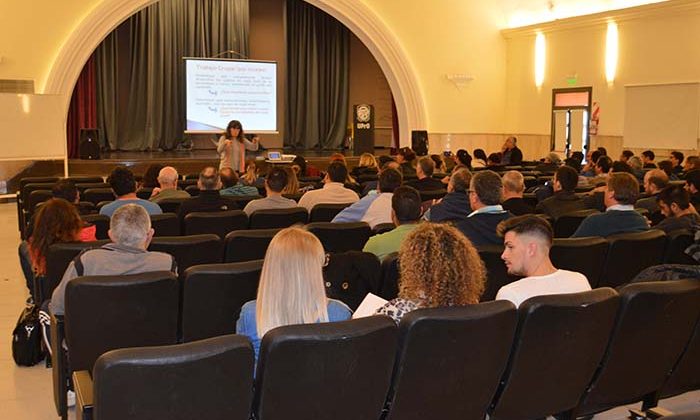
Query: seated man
(374,209)
(209,198)
(454,206)
(621,192)
(130,232)
(485,198)
(654,181)
(677,161)
(424,172)
(231,187)
(691,163)
(405,212)
(527,241)
(370,187)
(648,159)
(167,179)
(124,187)
(674,202)
(692,185)
(333,191)
(564,199)
(513,189)
(275,181)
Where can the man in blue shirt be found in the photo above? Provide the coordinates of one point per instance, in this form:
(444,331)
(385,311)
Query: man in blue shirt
(123,184)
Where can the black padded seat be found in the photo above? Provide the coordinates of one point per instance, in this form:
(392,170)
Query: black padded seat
(27,191)
(389,282)
(87,185)
(58,258)
(383,228)
(336,370)
(192,190)
(144,193)
(326,212)
(567,223)
(243,200)
(341,237)
(530,199)
(678,241)
(96,195)
(496,271)
(583,255)
(37,197)
(213,295)
(471,343)
(432,195)
(654,324)
(278,218)
(37,180)
(558,344)
(629,254)
(209,379)
(220,223)
(190,250)
(350,275)
(101,223)
(296,197)
(166,224)
(171,205)
(88,179)
(248,245)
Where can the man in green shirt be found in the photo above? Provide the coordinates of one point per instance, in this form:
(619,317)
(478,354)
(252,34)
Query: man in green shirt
(405,212)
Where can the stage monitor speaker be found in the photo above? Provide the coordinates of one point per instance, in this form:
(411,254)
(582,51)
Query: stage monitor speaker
(89,143)
(419,142)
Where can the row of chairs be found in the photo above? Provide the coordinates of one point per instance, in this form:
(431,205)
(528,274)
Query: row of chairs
(568,355)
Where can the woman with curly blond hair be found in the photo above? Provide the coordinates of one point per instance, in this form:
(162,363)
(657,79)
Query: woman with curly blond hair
(439,267)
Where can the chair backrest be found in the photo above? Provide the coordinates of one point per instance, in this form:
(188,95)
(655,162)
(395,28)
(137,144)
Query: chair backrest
(171,205)
(566,224)
(248,245)
(278,218)
(676,245)
(166,224)
(341,237)
(110,312)
(144,193)
(213,295)
(87,185)
(389,281)
(558,336)
(583,255)
(101,223)
(27,190)
(85,179)
(209,379)
(686,374)
(192,190)
(472,345)
(37,180)
(37,197)
(383,228)
(630,253)
(190,250)
(296,197)
(338,370)
(432,195)
(349,276)
(654,323)
(95,195)
(326,212)
(242,200)
(220,223)
(57,260)
(496,271)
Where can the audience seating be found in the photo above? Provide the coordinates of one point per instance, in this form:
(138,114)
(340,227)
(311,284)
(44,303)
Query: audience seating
(349,276)
(559,341)
(531,199)
(676,245)
(191,177)
(171,205)
(190,250)
(58,258)
(389,281)
(496,271)
(219,223)
(101,204)
(213,295)
(37,197)
(432,195)
(184,183)
(86,186)
(341,237)
(37,180)
(630,253)
(383,228)
(166,224)
(653,325)
(472,345)
(248,245)
(326,212)
(192,190)
(144,193)
(101,223)
(583,255)
(209,379)
(322,371)
(111,312)
(88,179)
(530,181)
(242,200)
(566,224)
(296,197)
(96,195)
(278,218)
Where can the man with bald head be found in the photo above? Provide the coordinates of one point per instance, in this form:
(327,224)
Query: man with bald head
(513,190)
(654,181)
(209,199)
(167,179)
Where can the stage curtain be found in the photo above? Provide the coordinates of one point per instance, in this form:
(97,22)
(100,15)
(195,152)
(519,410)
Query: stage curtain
(149,47)
(82,111)
(317,78)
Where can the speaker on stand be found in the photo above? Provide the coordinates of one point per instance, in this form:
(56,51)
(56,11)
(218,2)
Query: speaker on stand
(89,144)
(419,142)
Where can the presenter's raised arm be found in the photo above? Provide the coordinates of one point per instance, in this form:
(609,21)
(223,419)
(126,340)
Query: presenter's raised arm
(252,145)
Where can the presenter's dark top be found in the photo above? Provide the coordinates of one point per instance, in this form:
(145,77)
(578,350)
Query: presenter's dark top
(426,184)
(480,228)
(207,200)
(610,223)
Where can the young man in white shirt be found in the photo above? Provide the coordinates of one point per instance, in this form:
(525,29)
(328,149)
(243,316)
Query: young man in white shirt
(333,191)
(527,241)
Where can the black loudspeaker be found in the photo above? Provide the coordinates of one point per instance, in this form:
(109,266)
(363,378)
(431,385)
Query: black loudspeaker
(89,143)
(419,142)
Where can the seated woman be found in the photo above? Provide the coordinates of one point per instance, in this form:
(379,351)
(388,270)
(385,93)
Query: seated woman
(480,159)
(438,267)
(366,166)
(291,288)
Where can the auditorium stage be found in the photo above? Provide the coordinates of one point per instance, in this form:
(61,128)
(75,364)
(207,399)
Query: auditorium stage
(190,161)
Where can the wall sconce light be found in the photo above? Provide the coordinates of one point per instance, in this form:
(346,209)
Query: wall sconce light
(540,59)
(611,52)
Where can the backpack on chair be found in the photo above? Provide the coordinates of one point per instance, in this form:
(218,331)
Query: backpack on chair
(26,338)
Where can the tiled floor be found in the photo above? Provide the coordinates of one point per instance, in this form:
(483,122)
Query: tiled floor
(26,393)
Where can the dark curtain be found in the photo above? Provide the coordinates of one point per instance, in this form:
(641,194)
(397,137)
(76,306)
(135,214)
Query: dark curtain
(83,108)
(149,48)
(395,142)
(317,78)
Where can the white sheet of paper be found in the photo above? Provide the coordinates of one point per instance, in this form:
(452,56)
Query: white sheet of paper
(369,306)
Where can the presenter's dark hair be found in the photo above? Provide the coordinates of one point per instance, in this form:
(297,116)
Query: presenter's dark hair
(277,179)
(231,125)
(337,172)
(122,181)
(406,204)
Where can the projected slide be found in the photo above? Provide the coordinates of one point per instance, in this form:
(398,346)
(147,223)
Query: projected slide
(219,91)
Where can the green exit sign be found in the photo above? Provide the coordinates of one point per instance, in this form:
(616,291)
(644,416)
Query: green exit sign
(571,81)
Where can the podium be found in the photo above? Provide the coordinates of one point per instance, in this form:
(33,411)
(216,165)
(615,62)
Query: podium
(363,129)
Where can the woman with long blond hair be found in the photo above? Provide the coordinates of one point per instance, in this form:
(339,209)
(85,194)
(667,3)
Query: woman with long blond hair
(366,166)
(291,288)
(438,267)
(292,181)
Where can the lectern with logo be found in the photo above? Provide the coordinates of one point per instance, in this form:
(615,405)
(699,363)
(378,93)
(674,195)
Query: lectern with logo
(363,129)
